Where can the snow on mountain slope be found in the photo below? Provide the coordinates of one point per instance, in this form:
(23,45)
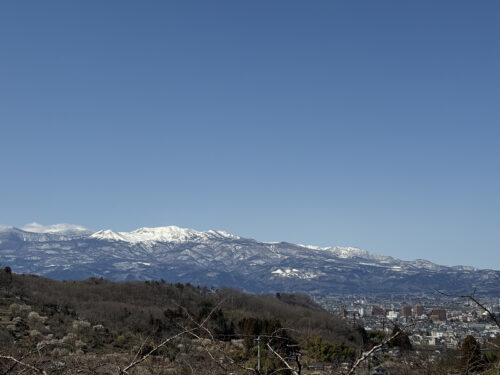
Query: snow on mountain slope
(170,233)
(217,258)
(348,252)
(108,235)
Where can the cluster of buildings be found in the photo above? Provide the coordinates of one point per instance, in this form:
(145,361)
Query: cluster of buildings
(436,321)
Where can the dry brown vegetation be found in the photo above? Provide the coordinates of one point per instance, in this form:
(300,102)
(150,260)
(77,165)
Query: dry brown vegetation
(105,326)
(101,327)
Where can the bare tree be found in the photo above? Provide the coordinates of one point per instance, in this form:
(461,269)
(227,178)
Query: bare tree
(197,326)
(367,354)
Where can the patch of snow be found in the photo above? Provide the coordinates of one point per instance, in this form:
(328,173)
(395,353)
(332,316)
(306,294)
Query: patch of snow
(348,252)
(371,264)
(295,273)
(160,234)
(221,233)
(108,235)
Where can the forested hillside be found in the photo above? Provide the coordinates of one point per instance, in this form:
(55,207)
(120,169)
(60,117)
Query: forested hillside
(101,327)
(98,326)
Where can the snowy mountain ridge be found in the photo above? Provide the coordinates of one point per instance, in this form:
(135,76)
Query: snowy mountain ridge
(217,258)
(170,233)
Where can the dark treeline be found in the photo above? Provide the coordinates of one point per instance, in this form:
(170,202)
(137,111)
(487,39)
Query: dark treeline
(132,307)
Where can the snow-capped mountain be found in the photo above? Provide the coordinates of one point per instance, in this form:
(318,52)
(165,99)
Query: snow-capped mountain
(217,258)
(160,234)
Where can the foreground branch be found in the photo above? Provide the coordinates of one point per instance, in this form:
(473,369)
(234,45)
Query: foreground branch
(201,325)
(472,297)
(152,351)
(368,353)
(10,358)
(282,360)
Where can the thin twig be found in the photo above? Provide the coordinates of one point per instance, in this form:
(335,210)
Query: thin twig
(139,351)
(19,359)
(23,364)
(282,360)
(152,351)
(166,341)
(202,324)
(224,368)
(473,298)
(368,353)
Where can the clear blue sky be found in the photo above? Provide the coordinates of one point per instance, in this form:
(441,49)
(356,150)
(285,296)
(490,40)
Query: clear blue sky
(366,123)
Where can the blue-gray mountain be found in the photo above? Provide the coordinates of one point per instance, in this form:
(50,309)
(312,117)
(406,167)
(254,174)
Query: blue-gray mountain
(216,258)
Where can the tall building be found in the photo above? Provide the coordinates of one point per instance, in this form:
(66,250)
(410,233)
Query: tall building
(406,311)
(418,310)
(438,315)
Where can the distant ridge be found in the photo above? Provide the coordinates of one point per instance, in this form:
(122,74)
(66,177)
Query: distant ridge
(217,258)
(170,233)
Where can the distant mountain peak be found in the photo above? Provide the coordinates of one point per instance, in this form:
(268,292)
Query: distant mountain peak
(169,233)
(217,258)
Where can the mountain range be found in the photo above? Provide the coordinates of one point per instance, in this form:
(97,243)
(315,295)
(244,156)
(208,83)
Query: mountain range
(216,258)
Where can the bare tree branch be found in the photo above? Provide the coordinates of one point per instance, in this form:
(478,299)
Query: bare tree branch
(14,364)
(224,368)
(152,351)
(139,351)
(274,335)
(472,297)
(202,324)
(135,362)
(26,365)
(368,353)
(282,360)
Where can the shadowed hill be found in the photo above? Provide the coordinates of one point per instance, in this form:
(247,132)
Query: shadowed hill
(96,321)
